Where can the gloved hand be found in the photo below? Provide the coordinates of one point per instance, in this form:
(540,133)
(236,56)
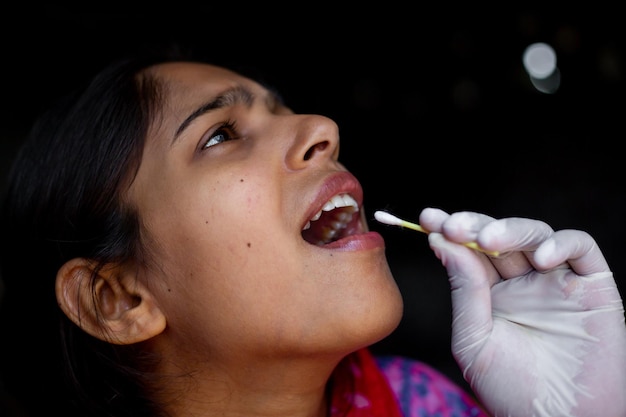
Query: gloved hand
(539,330)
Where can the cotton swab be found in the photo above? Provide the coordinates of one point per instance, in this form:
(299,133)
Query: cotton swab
(390,219)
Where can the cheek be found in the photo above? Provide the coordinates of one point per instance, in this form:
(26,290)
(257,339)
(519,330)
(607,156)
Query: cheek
(212,236)
(213,218)
(212,227)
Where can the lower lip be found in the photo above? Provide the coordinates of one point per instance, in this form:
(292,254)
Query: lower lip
(363,241)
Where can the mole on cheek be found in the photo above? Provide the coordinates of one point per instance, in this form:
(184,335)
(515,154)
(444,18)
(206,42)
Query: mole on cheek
(249,245)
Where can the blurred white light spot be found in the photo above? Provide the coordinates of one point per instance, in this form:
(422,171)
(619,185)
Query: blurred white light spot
(540,60)
(540,63)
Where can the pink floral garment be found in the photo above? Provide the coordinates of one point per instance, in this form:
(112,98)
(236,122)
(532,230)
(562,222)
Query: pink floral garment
(394,386)
(425,392)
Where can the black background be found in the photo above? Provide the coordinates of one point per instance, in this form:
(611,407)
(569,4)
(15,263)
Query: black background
(434,108)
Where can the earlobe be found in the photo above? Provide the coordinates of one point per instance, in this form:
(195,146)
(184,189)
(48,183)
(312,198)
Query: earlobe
(112,305)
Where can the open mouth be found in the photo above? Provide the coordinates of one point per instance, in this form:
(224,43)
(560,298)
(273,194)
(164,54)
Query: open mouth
(337,219)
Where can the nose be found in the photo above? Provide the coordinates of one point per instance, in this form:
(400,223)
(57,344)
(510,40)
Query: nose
(316,140)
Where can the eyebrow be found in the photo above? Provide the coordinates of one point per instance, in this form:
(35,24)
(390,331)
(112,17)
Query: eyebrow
(228,98)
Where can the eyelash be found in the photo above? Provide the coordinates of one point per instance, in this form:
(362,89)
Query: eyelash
(228,130)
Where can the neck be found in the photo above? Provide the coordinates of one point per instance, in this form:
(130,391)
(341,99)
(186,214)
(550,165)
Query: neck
(261,387)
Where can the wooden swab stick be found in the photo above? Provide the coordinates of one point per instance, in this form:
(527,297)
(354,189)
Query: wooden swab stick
(390,219)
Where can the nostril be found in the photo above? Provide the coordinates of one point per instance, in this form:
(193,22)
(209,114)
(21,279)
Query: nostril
(315,148)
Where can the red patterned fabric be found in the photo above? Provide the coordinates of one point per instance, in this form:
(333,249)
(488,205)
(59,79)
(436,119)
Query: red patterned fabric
(360,389)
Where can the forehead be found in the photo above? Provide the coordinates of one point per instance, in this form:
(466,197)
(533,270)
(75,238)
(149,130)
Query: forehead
(185,78)
(186,87)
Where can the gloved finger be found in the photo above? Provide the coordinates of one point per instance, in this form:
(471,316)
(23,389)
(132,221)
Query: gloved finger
(460,227)
(471,276)
(517,237)
(575,247)
(432,219)
(512,234)
(463,227)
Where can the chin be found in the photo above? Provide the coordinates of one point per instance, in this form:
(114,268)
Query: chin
(380,318)
(387,322)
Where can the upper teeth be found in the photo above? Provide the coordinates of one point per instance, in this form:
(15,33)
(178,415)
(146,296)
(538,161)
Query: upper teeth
(341,200)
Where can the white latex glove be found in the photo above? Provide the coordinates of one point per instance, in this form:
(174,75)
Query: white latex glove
(538,331)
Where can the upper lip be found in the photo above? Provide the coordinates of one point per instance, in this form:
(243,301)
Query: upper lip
(338,183)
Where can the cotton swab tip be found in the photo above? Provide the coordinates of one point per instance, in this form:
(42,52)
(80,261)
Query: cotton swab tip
(387,218)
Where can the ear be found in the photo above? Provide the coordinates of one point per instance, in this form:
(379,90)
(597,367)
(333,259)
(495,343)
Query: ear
(112,306)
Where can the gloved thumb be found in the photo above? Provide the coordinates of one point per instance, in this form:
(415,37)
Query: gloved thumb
(471,276)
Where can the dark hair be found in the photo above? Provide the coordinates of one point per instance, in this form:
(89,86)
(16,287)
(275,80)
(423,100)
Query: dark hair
(63,200)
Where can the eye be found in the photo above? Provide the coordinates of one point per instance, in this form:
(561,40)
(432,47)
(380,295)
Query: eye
(224,132)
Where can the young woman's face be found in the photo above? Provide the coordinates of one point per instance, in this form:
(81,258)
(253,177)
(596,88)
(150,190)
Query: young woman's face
(229,190)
